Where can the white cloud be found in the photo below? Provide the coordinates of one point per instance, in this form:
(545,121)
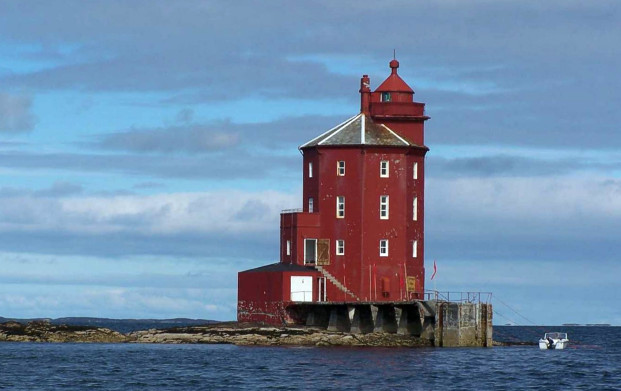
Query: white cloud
(565,204)
(16,113)
(225,212)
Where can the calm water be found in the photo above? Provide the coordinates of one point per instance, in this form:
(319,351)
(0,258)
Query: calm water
(593,362)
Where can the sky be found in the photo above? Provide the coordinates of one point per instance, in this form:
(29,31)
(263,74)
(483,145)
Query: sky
(148,147)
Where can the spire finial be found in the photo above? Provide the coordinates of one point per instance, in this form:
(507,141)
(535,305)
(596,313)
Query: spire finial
(394,64)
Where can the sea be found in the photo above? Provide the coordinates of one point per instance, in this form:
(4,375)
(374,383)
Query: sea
(592,362)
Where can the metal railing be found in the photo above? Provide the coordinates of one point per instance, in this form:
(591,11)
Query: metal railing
(460,297)
(296,210)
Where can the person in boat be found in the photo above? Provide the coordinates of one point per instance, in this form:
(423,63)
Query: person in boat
(550,343)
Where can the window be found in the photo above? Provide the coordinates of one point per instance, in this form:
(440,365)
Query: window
(310,205)
(415,171)
(340,247)
(310,169)
(414,248)
(310,250)
(384,169)
(384,207)
(383,248)
(340,207)
(340,168)
(386,97)
(415,209)
(288,247)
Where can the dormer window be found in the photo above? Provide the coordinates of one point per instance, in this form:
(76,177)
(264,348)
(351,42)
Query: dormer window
(386,97)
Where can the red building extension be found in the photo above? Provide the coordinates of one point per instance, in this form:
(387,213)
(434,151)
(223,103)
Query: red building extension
(360,235)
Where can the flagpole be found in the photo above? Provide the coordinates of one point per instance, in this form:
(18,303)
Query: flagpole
(433,276)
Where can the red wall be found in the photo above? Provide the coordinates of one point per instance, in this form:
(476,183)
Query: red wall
(362,269)
(264,295)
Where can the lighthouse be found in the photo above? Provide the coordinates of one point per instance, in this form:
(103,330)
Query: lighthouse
(359,236)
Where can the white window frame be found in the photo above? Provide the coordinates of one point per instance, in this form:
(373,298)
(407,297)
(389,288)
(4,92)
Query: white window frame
(311,204)
(383,248)
(310,169)
(288,247)
(384,169)
(340,168)
(415,171)
(415,209)
(414,248)
(384,207)
(340,207)
(340,247)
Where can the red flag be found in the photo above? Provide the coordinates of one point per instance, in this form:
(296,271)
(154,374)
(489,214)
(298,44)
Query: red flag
(435,269)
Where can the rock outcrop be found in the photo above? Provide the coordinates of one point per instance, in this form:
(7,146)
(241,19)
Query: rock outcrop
(272,336)
(41,331)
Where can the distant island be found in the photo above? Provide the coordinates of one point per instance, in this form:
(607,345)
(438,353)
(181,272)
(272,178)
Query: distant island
(588,324)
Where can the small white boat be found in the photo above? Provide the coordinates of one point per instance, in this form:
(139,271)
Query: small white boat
(554,341)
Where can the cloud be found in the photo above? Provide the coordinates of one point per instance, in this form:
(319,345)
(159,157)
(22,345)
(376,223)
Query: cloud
(16,113)
(148,185)
(220,135)
(502,165)
(60,189)
(469,61)
(220,165)
(193,224)
(186,138)
(502,219)
(196,213)
(117,303)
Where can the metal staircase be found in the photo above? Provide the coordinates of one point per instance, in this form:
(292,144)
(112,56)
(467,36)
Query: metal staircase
(336,282)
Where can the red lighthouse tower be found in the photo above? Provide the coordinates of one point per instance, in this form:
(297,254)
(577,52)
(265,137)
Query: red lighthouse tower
(359,237)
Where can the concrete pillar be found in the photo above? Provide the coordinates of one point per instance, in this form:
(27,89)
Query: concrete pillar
(427,313)
(339,319)
(351,310)
(362,322)
(374,310)
(409,321)
(450,326)
(489,341)
(317,317)
(467,324)
(463,324)
(386,319)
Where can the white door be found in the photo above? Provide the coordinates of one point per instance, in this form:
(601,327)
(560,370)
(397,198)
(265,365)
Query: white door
(301,288)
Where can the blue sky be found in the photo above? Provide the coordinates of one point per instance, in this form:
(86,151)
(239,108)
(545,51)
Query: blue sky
(147,147)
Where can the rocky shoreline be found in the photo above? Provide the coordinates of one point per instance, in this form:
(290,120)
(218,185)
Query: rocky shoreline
(222,333)
(41,331)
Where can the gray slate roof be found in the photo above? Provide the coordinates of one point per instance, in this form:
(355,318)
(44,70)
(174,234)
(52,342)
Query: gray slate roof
(359,130)
(281,267)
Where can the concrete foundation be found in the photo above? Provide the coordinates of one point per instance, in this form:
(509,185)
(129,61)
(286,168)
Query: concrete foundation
(446,324)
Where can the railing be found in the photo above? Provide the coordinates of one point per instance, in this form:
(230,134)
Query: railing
(296,210)
(461,297)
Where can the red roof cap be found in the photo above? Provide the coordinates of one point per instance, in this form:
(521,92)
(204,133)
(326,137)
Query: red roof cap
(394,83)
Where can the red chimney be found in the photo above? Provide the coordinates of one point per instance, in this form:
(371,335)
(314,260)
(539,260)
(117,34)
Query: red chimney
(365,94)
